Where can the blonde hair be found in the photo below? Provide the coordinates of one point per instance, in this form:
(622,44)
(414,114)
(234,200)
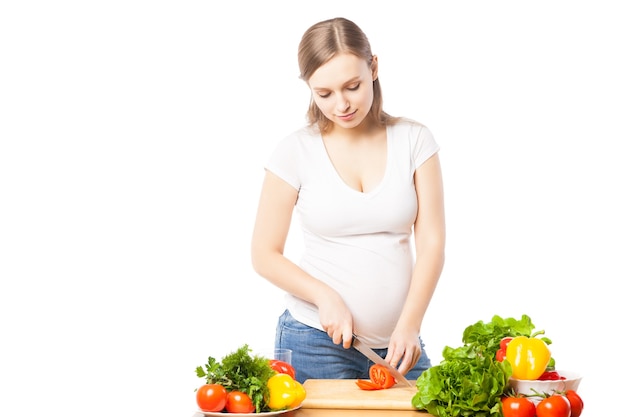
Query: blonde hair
(323,41)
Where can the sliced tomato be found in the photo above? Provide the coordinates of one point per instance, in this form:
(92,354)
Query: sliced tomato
(550,376)
(367,385)
(381,376)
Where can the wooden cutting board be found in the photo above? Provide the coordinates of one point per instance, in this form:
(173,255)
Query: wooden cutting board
(344,394)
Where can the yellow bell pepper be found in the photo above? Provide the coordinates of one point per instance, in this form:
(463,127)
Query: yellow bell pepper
(284,392)
(528,356)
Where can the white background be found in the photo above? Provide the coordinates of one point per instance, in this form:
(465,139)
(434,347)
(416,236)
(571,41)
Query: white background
(133,137)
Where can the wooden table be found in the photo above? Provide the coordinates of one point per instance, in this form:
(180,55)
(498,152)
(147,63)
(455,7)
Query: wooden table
(342,398)
(326,412)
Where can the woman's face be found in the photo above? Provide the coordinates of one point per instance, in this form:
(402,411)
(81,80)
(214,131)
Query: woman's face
(343,89)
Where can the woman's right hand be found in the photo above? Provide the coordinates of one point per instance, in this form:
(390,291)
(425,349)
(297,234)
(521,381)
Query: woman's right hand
(336,319)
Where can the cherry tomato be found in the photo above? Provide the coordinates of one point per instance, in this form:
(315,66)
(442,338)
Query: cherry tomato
(556,405)
(239,402)
(367,385)
(381,376)
(211,397)
(518,407)
(283,368)
(575,402)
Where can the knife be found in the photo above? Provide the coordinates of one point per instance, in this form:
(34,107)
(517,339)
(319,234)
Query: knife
(374,357)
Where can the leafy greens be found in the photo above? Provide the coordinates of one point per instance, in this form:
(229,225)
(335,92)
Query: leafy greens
(240,371)
(469,381)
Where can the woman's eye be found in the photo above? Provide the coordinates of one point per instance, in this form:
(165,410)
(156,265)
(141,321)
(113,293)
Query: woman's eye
(351,88)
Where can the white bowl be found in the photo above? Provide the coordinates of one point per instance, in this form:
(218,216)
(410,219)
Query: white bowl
(526,386)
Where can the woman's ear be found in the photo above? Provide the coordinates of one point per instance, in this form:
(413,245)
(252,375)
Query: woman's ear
(374,67)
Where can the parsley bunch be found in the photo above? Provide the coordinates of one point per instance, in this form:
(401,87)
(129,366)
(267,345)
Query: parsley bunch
(240,371)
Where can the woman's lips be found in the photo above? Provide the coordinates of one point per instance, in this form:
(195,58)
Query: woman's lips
(347,116)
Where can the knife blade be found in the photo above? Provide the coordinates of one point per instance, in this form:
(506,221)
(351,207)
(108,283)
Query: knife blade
(374,357)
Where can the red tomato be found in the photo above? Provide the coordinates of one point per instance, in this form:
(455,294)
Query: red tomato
(556,405)
(518,407)
(239,402)
(575,402)
(381,376)
(211,397)
(366,385)
(283,368)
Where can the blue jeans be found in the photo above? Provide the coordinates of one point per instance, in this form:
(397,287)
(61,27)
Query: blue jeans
(315,356)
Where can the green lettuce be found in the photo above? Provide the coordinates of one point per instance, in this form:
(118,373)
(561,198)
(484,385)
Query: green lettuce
(469,381)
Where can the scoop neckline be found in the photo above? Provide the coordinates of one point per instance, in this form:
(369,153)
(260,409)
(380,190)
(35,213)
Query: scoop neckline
(341,181)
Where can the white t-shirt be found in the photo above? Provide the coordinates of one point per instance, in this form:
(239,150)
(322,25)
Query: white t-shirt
(358,243)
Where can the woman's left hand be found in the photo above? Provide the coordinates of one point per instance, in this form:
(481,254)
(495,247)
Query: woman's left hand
(404,349)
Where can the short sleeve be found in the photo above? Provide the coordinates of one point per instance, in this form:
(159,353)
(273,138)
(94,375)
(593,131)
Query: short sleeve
(283,161)
(425,145)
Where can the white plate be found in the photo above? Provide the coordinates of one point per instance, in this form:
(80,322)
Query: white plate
(220,414)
